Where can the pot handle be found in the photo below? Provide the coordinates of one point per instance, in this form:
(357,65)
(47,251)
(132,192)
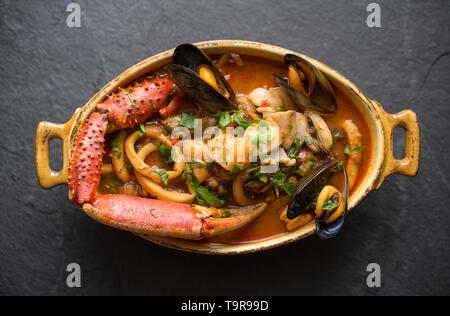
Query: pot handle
(409,165)
(45,132)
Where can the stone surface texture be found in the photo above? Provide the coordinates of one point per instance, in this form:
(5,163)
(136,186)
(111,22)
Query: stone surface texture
(47,70)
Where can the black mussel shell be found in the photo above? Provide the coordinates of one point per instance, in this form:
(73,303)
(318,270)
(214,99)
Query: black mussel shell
(321,99)
(328,231)
(307,189)
(198,90)
(191,57)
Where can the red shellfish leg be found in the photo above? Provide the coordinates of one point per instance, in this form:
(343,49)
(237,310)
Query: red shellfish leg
(86,160)
(165,218)
(147,216)
(174,105)
(136,105)
(239,218)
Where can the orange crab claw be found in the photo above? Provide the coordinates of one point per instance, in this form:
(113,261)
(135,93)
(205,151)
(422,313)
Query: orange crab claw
(170,219)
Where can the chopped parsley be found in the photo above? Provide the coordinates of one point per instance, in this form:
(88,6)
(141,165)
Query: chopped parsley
(358,147)
(131,100)
(262,177)
(204,197)
(162,174)
(289,187)
(280,109)
(347,149)
(153,104)
(241,121)
(224,120)
(126,115)
(187,120)
(236,169)
(141,131)
(337,135)
(309,140)
(329,205)
(295,148)
(278,179)
(116,146)
(165,150)
(339,167)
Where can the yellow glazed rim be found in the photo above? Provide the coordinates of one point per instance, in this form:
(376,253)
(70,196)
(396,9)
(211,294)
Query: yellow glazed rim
(380,124)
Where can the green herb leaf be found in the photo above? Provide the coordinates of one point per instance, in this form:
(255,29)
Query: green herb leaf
(116,146)
(329,205)
(347,149)
(196,164)
(291,126)
(240,121)
(202,194)
(337,135)
(306,167)
(165,150)
(236,169)
(131,100)
(280,109)
(295,148)
(126,115)
(141,131)
(207,196)
(224,120)
(187,120)
(309,140)
(339,167)
(289,187)
(162,174)
(153,104)
(262,177)
(358,147)
(278,179)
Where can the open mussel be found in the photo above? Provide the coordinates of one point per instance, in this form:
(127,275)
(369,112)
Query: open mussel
(327,203)
(195,74)
(307,86)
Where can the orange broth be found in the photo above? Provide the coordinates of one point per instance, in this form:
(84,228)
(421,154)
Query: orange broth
(255,73)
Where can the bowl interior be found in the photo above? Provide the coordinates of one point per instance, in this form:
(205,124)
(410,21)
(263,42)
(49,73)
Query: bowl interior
(365,106)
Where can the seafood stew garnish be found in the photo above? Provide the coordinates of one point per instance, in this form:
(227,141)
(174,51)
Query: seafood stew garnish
(216,148)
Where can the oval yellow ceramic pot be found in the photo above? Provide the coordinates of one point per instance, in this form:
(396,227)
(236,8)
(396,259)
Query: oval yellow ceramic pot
(381,125)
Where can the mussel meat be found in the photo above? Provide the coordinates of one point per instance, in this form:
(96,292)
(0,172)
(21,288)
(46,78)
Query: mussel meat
(307,86)
(195,74)
(329,205)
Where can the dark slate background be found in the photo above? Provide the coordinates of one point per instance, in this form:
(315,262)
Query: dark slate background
(47,70)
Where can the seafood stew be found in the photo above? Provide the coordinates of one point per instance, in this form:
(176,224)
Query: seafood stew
(228,149)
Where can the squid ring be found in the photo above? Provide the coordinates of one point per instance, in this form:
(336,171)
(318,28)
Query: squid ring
(238,189)
(332,194)
(155,189)
(118,161)
(141,167)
